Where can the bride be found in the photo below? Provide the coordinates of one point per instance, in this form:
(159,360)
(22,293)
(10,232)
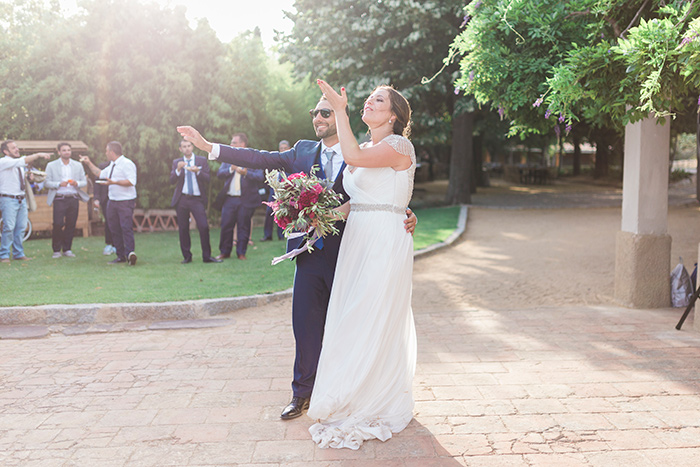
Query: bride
(363,388)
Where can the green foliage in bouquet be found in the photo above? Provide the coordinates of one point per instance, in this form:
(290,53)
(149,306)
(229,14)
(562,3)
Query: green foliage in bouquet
(304,203)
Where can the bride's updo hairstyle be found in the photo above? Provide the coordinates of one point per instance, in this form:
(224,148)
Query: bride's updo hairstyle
(401,108)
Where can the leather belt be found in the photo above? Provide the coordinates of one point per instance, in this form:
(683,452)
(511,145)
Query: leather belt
(19,197)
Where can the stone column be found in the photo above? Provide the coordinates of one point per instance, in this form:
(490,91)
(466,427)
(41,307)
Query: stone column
(643,246)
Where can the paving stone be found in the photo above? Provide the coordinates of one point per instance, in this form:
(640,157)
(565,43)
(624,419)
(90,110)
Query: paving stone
(23,332)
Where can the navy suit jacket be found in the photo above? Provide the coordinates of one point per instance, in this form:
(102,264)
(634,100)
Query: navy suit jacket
(301,158)
(179,180)
(250,183)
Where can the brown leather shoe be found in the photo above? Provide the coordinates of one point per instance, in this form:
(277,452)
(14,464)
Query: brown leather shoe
(223,256)
(22,258)
(242,257)
(295,408)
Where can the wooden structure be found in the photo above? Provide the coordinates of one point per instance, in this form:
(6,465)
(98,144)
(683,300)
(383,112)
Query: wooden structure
(42,218)
(30,147)
(154,220)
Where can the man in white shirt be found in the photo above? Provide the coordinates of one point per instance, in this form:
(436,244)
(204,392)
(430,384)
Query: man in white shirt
(12,203)
(64,178)
(120,177)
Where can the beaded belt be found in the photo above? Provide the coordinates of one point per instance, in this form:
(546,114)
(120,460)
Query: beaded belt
(377,207)
(19,197)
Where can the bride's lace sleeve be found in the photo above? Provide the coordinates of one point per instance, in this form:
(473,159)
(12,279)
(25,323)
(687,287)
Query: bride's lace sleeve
(402,146)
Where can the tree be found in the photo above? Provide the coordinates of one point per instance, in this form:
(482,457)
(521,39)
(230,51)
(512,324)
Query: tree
(577,62)
(132,71)
(363,43)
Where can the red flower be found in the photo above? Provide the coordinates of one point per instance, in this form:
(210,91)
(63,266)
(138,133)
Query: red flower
(283,221)
(297,175)
(308,198)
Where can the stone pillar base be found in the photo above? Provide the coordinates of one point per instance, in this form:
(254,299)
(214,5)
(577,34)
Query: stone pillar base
(643,270)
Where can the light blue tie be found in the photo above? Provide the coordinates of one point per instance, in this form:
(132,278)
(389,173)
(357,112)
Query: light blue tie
(188,179)
(329,164)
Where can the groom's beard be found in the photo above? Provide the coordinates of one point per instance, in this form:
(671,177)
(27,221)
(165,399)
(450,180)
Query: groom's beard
(325,131)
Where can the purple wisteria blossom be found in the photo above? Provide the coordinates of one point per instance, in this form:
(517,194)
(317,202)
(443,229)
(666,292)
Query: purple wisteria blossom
(548,113)
(466,20)
(698,101)
(688,39)
(501,112)
(471,76)
(538,102)
(568,129)
(561,118)
(477,4)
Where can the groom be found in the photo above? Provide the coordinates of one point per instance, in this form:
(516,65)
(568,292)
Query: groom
(314,271)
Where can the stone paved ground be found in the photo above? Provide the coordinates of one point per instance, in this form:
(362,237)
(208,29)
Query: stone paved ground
(501,379)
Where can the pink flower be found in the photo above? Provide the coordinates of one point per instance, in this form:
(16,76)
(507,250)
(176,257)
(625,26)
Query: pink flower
(275,205)
(297,175)
(538,102)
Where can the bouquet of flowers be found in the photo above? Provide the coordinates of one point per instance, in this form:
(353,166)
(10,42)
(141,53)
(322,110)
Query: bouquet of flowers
(303,205)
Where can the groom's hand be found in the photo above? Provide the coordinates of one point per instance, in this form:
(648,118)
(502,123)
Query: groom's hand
(410,222)
(193,136)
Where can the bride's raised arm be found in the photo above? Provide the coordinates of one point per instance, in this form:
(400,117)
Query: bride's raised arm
(379,155)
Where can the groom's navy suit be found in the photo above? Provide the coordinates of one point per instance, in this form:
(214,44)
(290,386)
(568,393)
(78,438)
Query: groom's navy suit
(314,271)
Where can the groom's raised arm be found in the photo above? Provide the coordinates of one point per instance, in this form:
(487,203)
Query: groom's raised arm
(254,158)
(244,157)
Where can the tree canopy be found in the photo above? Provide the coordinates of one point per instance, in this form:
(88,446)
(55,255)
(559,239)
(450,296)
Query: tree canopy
(602,62)
(360,44)
(132,71)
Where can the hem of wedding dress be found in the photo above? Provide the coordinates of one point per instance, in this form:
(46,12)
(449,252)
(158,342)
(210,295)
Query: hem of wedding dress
(351,437)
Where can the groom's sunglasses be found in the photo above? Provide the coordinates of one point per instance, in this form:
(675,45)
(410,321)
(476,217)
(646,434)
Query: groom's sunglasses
(325,113)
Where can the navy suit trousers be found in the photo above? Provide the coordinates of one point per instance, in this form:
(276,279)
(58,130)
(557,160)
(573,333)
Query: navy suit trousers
(312,290)
(120,218)
(235,214)
(192,205)
(65,216)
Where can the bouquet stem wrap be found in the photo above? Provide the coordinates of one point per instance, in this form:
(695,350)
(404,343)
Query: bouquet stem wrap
(305,247)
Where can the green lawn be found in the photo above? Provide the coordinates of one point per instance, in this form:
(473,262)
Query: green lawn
(158,275)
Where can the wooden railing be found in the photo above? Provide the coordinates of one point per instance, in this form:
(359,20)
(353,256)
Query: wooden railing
(155,220)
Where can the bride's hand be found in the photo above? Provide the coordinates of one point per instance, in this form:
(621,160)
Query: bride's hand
(338,101)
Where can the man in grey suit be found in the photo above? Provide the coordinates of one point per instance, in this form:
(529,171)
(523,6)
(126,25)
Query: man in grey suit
(64,178)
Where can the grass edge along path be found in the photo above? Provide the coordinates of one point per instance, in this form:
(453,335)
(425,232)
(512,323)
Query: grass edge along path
(158,275)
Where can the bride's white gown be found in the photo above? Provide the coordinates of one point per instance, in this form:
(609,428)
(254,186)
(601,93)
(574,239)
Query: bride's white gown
(363,387)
